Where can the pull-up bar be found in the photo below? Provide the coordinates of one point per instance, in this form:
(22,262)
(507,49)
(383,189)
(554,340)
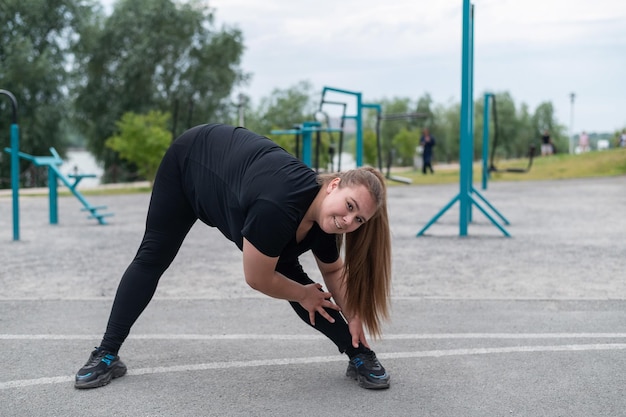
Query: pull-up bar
(357,117)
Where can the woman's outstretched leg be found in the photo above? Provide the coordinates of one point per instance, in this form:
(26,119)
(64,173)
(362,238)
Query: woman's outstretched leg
(169,219)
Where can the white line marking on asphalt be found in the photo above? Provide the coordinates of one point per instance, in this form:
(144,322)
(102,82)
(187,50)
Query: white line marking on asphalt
(321,359)
(108,299)
(418,336)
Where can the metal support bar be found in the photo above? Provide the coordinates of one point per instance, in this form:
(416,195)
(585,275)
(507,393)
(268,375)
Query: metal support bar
(504,220)
(465,198)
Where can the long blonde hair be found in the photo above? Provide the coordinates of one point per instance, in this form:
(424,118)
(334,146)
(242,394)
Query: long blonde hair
(367,266)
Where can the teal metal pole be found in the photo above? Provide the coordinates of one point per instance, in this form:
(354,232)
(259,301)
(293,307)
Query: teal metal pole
(307,141)
(465,151)
(488,204)
(485,173)
(438,215)
(465,198)
(15,178)
(470,217)
(359,130)
(53,195)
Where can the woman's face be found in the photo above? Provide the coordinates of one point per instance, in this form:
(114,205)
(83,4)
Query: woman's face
(344,209)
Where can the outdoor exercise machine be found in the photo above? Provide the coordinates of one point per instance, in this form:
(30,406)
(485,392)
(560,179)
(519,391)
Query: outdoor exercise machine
(54,175)
(322,116)
(488,165)
(15,169)
(358,119)
(467,196)
(305,132)
(306,129)
(380,117)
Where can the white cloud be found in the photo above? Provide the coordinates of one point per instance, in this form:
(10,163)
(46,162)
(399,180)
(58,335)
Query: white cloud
(538,50)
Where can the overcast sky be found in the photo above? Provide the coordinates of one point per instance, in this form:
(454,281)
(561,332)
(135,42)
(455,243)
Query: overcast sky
(537,50)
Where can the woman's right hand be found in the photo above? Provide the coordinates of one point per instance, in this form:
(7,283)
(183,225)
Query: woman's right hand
(316,301)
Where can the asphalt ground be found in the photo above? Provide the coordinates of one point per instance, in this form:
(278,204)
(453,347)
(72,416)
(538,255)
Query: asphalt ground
(482,325)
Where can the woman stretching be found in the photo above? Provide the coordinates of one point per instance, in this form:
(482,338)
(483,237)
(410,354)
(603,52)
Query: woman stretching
(274,208)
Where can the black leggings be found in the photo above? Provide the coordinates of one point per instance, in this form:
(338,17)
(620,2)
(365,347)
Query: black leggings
(170,217)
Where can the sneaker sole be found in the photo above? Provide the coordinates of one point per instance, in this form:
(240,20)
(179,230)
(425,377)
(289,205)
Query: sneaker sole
(103,379)
(363,382)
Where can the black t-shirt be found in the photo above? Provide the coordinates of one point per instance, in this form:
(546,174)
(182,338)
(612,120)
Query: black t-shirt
(247,186)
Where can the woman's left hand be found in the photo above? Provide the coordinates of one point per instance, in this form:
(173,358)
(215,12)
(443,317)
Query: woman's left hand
(357,333)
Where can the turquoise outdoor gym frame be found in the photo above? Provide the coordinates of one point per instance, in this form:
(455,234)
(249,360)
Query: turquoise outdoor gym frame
(15,165)
(54,174)
(358,117)
(306,129)
(465,198)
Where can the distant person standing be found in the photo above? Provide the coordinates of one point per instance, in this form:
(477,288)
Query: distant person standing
(583,142)
(427,141)
(546,144)
(622,139)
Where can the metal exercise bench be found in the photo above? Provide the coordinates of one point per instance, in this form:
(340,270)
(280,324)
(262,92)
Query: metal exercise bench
(53,163)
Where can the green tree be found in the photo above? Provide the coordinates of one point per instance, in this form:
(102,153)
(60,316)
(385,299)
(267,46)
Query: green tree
(425,107)
(544,119)
(390,128)
(448,133)
(142,140)
(370,148)
(282,110)
(528,134)
(35,39)
(154,55)
(507,126)
(404,143)
(432,121)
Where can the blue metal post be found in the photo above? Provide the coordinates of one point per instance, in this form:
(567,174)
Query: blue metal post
(466,151)
(307,141)
(53,195)
(471,107)
(465,198)
(359,130)
(15,178)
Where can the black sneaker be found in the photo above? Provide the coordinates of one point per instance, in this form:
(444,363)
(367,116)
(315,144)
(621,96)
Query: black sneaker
(365,368)
(101,367)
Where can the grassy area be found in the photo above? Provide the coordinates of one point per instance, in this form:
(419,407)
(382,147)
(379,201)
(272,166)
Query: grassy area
(102,190)
(591,164)
(113,191)
(562,166)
